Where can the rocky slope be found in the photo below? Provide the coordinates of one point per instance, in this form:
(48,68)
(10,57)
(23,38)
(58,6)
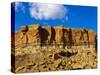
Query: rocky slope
(39,49)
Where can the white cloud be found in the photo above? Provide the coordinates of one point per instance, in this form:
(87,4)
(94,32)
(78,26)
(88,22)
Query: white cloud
(19,6)
(47,11)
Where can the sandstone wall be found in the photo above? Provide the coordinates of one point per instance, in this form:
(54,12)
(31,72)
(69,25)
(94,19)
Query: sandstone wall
(36,34)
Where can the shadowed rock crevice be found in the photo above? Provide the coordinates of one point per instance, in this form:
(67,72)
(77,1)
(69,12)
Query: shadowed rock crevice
(63,54)
(44,35)
(53,35)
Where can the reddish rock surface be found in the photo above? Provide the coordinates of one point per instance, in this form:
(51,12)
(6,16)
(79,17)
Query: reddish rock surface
(36,34)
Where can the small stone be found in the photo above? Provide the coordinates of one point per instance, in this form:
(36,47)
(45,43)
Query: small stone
(57,63)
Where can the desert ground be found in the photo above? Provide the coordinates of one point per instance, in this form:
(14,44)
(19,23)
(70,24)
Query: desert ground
(33,59)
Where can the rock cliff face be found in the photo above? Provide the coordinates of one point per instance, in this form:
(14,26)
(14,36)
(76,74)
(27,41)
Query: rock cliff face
(38,49)
(33,34)
(59,35)
(46,34)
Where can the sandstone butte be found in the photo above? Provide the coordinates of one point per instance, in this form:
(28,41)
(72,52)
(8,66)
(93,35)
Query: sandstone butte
(37,34)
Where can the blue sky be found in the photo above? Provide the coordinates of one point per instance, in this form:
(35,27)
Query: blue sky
(49,14)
